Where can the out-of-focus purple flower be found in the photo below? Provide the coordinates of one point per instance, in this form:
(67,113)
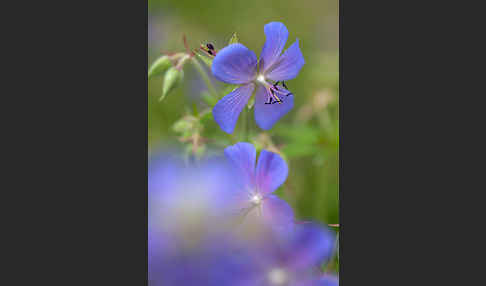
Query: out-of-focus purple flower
(191,235)
(190,241)
(236,64)
(324,280)
(252,195)
(292,258)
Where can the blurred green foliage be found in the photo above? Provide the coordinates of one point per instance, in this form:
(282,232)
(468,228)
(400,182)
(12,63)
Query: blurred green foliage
(307,137)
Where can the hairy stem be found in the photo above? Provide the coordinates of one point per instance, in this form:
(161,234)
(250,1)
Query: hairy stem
(205,77)
(244,125)
(248,123)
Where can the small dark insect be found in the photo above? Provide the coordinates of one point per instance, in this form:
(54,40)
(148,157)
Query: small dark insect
(208,49)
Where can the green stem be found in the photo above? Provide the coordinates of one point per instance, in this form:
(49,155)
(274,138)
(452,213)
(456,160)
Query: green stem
(244,125)
(205,77)
(248,123)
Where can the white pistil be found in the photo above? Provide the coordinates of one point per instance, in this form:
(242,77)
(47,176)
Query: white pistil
(256,199)
(277,276)
(261,79)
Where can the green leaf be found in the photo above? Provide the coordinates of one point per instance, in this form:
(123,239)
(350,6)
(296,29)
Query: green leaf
(172,78)
(234,39)
(159,66)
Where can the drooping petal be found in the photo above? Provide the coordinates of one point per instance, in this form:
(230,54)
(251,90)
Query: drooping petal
(288,65)
(266,115)
(243,156)
(271,172)
(311,245)
(276,36)
(227,110)
(235,64)
(277,213)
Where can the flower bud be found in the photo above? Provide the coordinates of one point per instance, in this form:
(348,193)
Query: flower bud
(234,39)
(159,66)
(172,78)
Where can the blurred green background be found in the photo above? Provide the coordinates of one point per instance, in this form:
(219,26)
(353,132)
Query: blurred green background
(307,136)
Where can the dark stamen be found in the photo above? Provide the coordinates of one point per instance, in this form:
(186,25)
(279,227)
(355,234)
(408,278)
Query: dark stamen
(210,46)
(269,101)
(283,84)
(277,99)
(210,52)
(275,85)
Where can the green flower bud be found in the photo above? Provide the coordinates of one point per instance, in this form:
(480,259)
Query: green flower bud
(233,40)
(183,125)
(159,66)
(172,78)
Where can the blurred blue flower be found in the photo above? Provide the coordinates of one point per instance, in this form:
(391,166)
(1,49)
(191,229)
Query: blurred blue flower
(236,64)
(252,194)
(324,280)
(190,241)
(293,258)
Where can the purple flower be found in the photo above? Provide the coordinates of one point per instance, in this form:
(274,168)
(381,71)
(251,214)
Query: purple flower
(190,241)
(191,236)
(293,258)
(236,64)
(253,194)
(324,280)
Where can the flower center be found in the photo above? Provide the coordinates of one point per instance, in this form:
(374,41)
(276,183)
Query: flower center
(277,276)
(261,79)
(256,199)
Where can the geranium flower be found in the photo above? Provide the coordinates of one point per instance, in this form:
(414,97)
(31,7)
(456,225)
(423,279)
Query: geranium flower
(253,196)
(189,237)
(324,280)
(190,234)
(293,258)
(236,64)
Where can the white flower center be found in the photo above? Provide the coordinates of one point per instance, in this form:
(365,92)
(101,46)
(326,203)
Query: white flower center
(261,78)
(277,276)
(256,199)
